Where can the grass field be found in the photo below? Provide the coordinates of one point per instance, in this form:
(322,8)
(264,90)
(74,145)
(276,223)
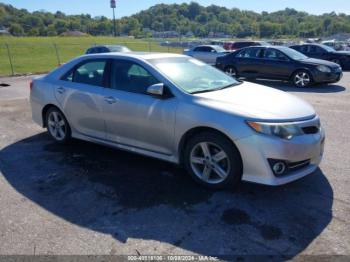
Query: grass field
(38,54)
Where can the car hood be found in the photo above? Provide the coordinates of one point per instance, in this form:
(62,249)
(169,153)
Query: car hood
(314,61)
(257,102)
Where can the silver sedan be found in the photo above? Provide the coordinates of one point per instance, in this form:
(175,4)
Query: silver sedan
(176,108)
(206,53)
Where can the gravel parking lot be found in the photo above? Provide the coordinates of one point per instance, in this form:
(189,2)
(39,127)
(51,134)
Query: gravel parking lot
(88,199)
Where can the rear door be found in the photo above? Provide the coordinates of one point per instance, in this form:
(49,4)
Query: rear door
(80,94)
(315,51)
(249,62)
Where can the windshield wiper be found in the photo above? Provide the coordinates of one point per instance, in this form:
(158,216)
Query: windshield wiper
(212,90)
(215,89)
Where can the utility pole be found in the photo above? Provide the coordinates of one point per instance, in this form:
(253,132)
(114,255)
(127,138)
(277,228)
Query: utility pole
(113,6)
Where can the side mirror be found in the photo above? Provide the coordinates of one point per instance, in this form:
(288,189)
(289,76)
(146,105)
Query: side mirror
(156,89)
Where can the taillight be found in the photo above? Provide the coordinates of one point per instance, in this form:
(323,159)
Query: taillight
(31,85)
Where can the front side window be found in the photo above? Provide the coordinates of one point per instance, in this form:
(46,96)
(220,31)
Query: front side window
(273,54)
(131,77)
(90,73)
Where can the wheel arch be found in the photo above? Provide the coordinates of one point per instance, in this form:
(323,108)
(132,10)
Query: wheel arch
(301,69)
(197,130)
(232,66)
(44,111)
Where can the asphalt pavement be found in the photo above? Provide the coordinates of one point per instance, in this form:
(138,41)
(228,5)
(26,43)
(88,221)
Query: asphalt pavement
(88,199)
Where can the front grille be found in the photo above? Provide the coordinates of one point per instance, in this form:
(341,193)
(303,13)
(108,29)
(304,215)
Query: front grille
(310,129)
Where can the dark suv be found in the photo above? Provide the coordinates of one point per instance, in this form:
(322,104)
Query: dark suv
(324,52)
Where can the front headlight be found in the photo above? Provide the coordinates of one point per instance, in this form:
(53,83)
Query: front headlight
(324,69)
(283,130)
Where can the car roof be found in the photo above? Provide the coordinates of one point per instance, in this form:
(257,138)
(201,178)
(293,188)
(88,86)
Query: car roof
(137,55)
(315,44)
(265,47)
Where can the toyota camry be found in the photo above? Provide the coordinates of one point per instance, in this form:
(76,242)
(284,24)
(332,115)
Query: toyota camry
(179,109)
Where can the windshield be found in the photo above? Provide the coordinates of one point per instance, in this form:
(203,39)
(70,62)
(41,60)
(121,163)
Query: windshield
(119,49)
(193,76)
(328,48)
(293,53)
(219,49)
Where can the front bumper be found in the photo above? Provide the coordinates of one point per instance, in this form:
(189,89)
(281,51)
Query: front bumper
(258,148)
(332,77)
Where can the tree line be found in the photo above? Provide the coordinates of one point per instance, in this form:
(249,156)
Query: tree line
(182,18)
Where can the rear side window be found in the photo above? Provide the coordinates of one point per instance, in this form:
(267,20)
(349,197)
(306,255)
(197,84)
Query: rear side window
(298,48)
(204,49)
(90,51)
(244,44)
(315,49)
(198,49)
(250,53)
(90,73)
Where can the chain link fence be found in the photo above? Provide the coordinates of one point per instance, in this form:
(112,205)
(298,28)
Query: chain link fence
(22,58)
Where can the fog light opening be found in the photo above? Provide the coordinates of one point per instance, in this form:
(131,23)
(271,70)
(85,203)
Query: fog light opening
(279,168)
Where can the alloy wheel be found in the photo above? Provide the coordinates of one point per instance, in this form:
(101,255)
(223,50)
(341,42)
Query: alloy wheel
(209,162)
(302,79)
(231,71)
(57,125)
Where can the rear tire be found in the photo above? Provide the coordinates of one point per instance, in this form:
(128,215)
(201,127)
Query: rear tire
(213,161)
(302,78)
(57,126)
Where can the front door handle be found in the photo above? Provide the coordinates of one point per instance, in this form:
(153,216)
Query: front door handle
(61,90)
(110,100)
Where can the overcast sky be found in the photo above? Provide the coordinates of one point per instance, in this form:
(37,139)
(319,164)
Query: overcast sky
(128,7)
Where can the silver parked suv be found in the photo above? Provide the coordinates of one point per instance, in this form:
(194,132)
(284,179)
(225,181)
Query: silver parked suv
(179,109)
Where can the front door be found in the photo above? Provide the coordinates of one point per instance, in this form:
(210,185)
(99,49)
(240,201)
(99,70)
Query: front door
(275,65)
(133,117)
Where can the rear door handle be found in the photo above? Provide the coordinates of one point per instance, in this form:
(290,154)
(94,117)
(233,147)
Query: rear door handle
(61,90)
(110,100)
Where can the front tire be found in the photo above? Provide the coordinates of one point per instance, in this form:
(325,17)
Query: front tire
(57,125)
(231,71)
(302,78)
(213,161)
